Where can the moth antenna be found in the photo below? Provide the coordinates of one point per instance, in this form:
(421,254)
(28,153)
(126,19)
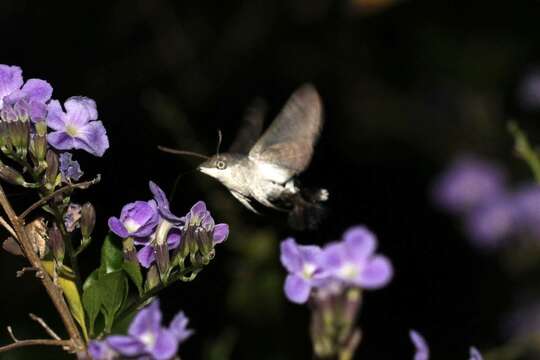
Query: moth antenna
(182,152)
(220,137)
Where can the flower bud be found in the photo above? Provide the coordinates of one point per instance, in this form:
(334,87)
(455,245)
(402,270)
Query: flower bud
(56,243)
(11,175)
(152,278)
(51,174)
(39,144)
(162,260)
(20,137)
(72,217)
(88,219)
(130,254)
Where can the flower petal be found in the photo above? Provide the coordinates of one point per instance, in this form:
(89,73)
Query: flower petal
(55,116)
(377,273)
(359,242)
(146,255)
(173,239)
(221,232)
(474,354)
(297,289)
(80,110)
(61,141)
(147,320)
(33,90)
(10,80)
(117,227)
(93,138)
(420,344)
(179,328)
(290,255)
(166,345)
(126,345)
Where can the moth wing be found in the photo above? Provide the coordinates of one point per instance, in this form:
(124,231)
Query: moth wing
(289,140)
(251,128)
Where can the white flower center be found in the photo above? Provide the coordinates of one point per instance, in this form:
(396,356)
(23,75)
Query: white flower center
(308,270)
(148,339)
(131,225)
(72,130)
(349,271)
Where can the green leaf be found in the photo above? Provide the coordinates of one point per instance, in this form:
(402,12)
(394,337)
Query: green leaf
(92,299)
(114,287)
(112,256)
(91,279)
(133,270)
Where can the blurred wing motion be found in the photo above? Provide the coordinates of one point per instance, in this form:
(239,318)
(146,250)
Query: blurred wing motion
(251,129)
(290,139)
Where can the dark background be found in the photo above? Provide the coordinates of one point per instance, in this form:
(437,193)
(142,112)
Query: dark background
(406,86)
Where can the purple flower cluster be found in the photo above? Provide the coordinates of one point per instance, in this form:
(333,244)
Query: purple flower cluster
(146,338)
(422,348)
(351,262)
(29,104)
(476,190)
(153,226)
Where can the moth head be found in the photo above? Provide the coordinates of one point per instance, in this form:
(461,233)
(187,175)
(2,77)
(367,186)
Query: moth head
(218,166)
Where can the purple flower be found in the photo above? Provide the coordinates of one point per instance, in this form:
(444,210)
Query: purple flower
(78,127)
(69,168)
(468,183)
(420,344)
(147,337)
(353,262)
(492,222)
(199,221)
(305,271)
(137,219)
(24,100)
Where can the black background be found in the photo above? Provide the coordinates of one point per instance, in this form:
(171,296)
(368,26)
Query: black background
(405,88)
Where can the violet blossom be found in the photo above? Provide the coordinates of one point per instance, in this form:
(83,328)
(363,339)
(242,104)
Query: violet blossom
(137,219)
(353,261)
(146,337)
(304,264)
(77,127)
(422,348)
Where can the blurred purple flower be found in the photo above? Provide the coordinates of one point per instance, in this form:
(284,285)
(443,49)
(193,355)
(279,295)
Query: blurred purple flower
(474,354)
(148,338)
(137,219)
(420,345)
(304,264)
(353,261)
(78,127)
(527,207)
(26,99)
(69,168)
(468,183)
(490,223)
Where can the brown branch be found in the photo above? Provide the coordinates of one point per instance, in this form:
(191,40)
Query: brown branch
(34,342)
(7,227)
(43,200)
(54,292)
(44,325)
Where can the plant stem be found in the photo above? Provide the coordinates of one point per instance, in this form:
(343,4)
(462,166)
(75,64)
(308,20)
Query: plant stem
(76,341)
(525,150)
(34,342)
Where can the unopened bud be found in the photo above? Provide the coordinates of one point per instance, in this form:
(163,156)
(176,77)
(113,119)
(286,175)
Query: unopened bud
(11,176)
(39,144)
(56,243)
(130,254)
(20,137)
(52,169)
(152,278)
(162,260)
(88,219)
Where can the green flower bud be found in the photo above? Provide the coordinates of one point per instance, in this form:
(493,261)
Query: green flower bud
(56,243)
(88,220)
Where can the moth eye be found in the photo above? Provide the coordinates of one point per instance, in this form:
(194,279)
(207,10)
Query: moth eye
(220,164)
